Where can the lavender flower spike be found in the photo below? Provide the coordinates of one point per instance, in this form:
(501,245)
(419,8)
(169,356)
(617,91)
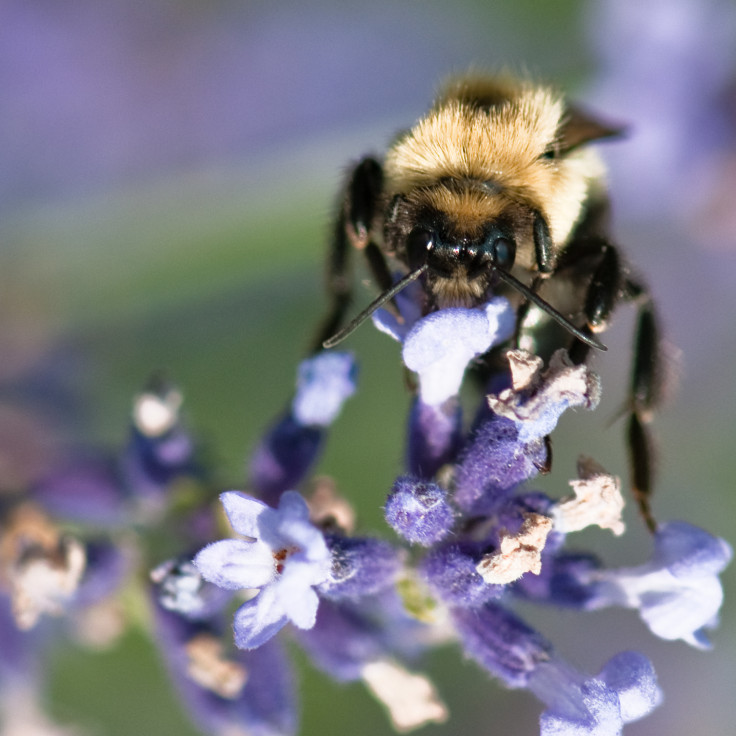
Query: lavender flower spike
(283,556)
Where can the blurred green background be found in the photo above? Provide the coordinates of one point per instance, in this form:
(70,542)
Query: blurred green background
(168,174)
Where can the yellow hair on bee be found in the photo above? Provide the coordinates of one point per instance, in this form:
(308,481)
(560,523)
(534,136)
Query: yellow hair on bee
(497,133)
(471,208)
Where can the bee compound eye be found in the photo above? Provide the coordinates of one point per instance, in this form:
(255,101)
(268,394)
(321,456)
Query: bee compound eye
(419,244)
(504,252)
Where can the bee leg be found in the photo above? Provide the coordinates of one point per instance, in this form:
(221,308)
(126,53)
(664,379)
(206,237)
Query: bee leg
(604,291)
(609,285)
(353,227)
(645,395)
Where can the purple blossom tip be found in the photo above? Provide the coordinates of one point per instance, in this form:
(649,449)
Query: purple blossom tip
(324,382)
(502,643)
(494,463)
(419,511)
(283,556)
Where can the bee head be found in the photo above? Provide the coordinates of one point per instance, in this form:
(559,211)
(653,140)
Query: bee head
(487,164)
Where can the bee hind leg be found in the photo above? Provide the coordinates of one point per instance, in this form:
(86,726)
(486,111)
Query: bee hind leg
(610,285)
(645,393)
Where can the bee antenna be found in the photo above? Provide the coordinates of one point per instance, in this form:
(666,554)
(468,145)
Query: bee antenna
(377,303)
(549,309)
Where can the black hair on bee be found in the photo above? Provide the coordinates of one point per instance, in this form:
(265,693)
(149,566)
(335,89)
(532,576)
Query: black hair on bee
(498,190)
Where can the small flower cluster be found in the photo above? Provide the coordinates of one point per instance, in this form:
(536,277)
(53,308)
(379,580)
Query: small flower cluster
(473,540)
(70,543)
(476,540)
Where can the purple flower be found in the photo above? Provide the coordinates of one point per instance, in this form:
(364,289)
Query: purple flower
(678,592)
(439,346)
(323,384)
(293,444)
(625,690)
(419,511)
(508,448)
(283,556)
(577,705)
(248,692)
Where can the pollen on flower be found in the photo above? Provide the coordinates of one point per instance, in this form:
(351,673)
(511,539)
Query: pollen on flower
(519,553)
(281,555)
(597,500)
(410,698)
(209,668)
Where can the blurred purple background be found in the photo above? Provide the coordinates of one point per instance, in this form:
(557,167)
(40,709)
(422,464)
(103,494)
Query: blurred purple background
(160,160)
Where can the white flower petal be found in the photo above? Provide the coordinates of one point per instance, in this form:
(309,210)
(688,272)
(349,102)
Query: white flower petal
(299,599)
(244,513)
(236,563)
(257,620)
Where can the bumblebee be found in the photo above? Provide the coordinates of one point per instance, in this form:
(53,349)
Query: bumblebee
(498,190)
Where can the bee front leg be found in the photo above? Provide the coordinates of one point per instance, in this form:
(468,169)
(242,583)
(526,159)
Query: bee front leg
(354,227)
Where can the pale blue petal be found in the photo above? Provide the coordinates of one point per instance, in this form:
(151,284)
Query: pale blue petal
(297,597)
(388,323)
(678,592)
(274,528)
(293,507)
(688,551)
(439,348)
(683,610)
(236,563)
(408,301)
(257,620)
(501,319)
(244,512)
(632,677)
(324,382)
